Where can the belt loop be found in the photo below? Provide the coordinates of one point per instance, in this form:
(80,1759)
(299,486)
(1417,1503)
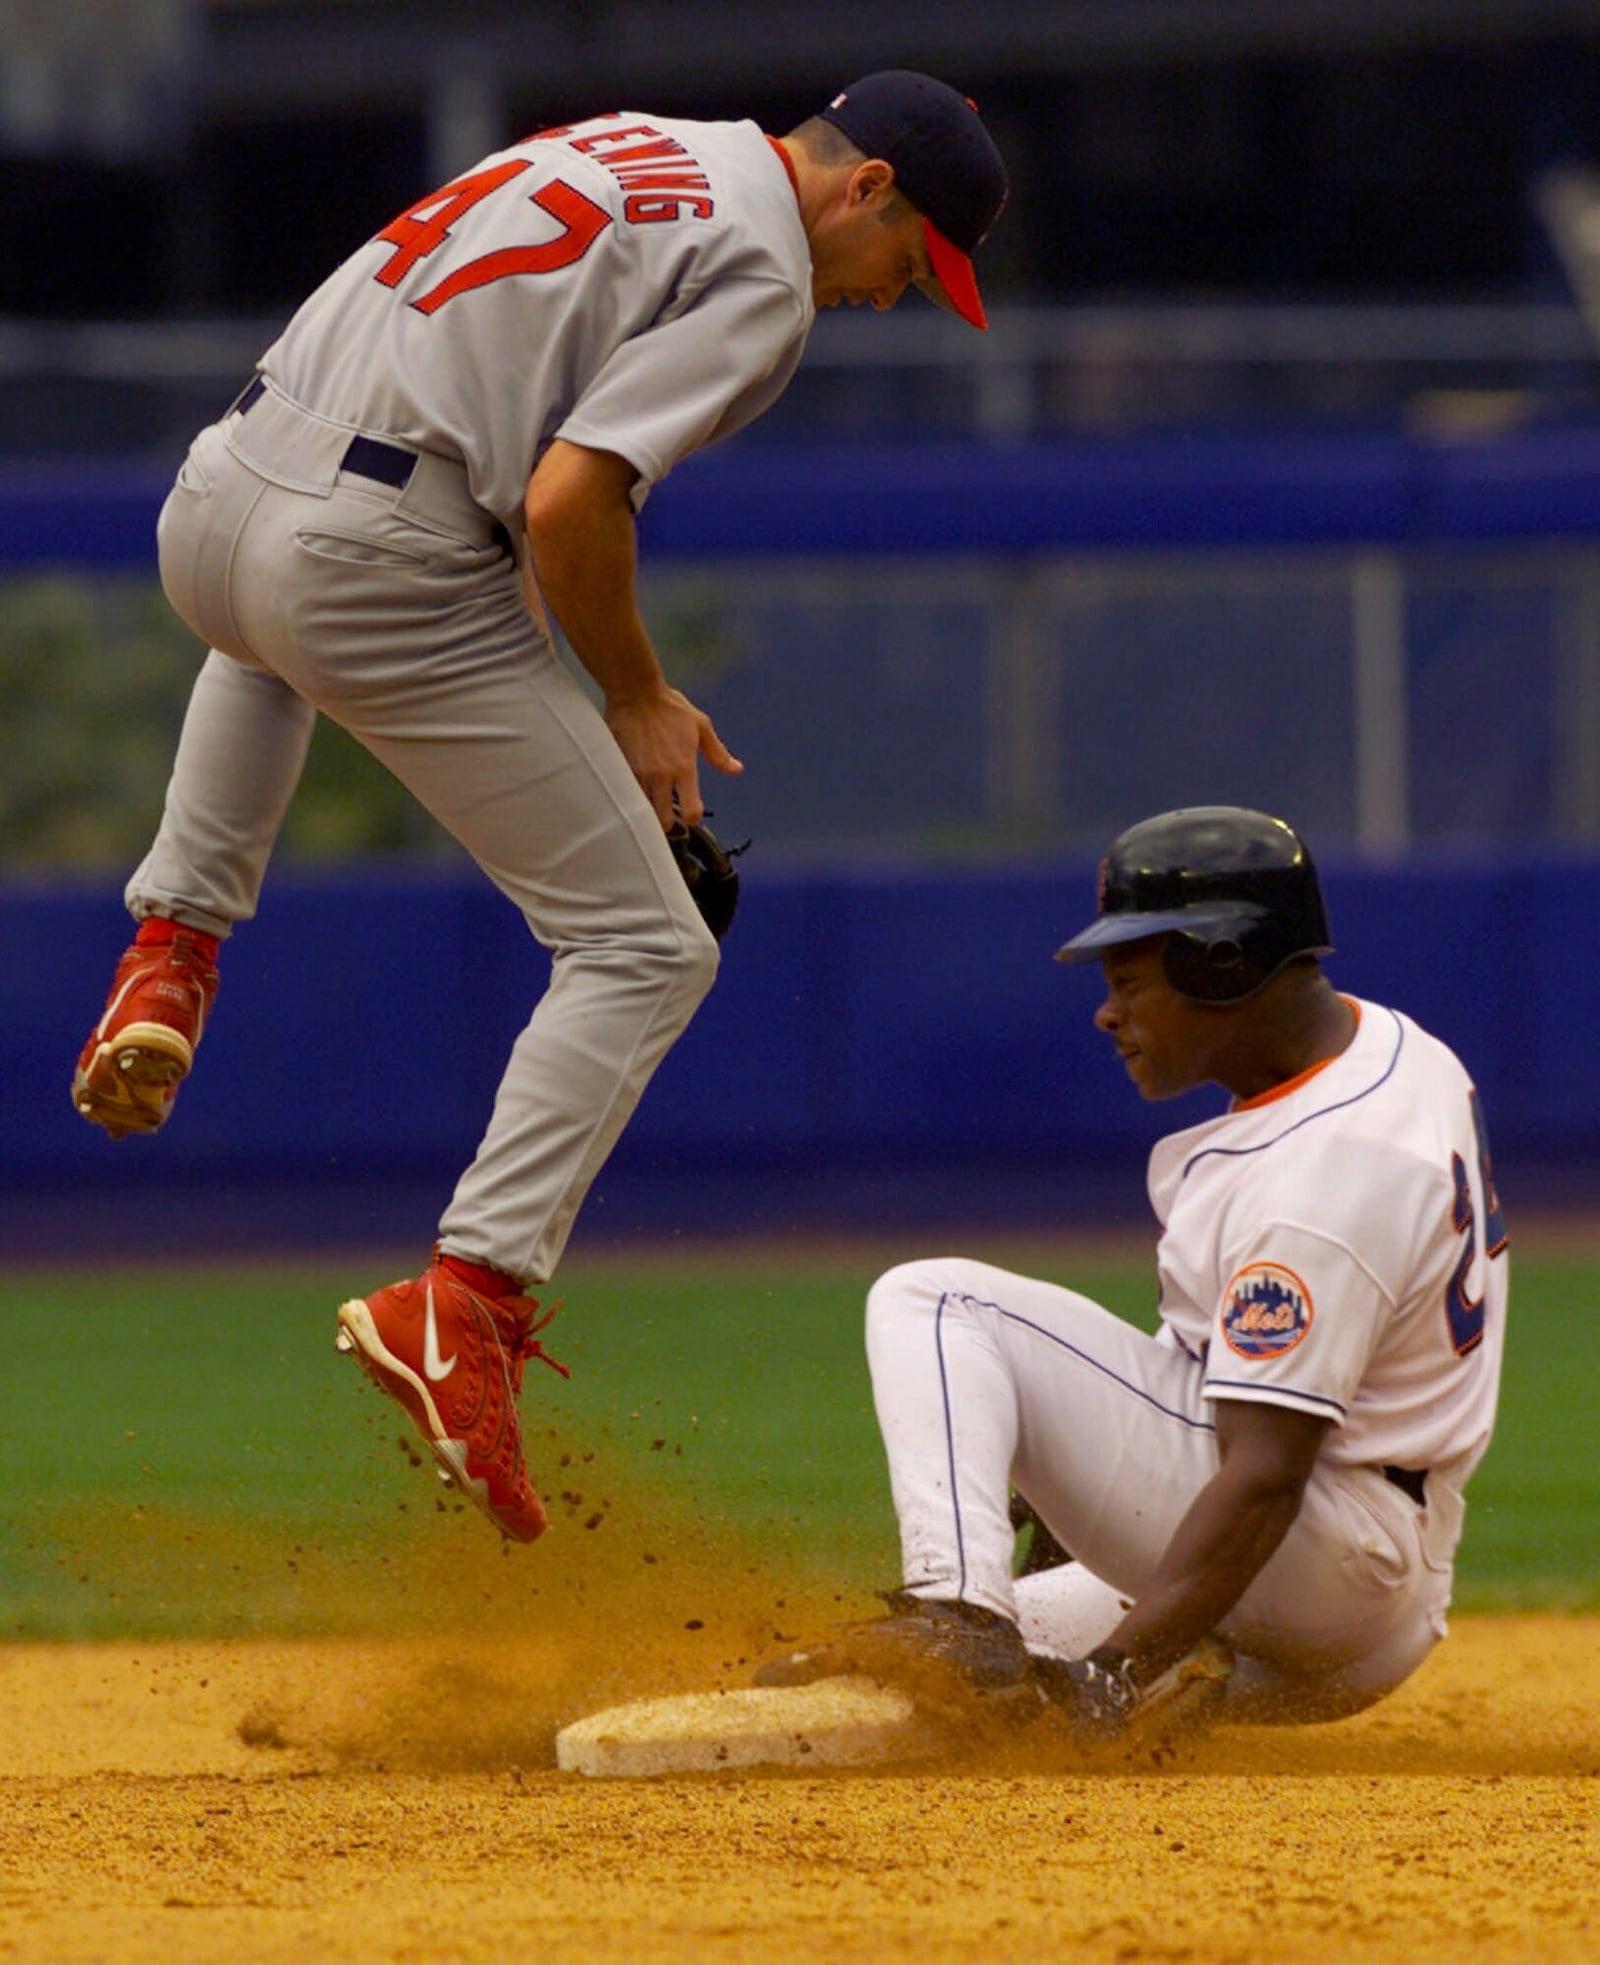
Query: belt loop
(289,445)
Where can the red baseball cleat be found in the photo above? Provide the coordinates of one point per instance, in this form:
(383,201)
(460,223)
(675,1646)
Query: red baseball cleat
(141,1049)
(452,1357)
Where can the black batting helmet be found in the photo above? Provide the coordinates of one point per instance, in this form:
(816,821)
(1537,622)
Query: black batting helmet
(1234,892)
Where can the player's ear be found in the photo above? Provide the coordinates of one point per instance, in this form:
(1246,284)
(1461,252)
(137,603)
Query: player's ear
(872,179)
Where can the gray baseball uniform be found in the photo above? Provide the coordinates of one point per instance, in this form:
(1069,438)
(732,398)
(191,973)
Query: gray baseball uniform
(346,539)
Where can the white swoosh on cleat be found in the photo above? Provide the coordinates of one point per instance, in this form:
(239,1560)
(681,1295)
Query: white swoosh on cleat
(436,1367)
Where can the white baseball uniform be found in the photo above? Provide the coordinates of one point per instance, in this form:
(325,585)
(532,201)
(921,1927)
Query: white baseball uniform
(345,540)
(1335,1246)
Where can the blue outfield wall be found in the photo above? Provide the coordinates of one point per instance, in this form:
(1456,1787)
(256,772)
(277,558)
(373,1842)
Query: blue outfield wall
(881,1046)
(756,498)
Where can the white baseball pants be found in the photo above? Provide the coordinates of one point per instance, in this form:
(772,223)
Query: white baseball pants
(400,615)
(984,1380)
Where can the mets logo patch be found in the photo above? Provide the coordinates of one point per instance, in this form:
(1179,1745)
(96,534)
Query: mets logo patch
(1266,1311)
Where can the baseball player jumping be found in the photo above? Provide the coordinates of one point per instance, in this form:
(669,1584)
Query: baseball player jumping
(1263,1500)
(452,435)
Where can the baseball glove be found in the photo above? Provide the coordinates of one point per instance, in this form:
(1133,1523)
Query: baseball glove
(708,871)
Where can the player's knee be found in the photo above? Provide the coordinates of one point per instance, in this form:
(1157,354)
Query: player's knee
(699,958)
(668,959)
(684,962)
(911,1289)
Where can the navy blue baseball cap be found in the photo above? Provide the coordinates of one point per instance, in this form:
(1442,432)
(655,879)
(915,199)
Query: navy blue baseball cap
(945,162)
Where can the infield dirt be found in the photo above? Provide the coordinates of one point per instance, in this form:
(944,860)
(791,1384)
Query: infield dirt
(361,1798)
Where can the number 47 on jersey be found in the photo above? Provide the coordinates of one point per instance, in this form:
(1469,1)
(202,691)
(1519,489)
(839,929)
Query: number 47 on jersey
(425,226)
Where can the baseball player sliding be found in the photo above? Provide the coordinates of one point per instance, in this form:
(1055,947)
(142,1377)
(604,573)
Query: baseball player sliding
(451,436)
(1263,1500)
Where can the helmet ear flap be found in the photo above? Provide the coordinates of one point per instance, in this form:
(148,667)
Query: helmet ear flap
(1219,971)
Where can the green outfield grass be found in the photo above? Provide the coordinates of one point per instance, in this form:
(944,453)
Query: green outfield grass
(184,1452)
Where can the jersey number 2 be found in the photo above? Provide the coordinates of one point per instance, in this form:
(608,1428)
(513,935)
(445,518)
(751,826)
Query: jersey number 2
(423,227)
(1463,1313)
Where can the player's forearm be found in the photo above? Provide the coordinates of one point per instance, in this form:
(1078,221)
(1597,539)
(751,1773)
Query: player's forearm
(589,587)
(1216,1552)
(583,554)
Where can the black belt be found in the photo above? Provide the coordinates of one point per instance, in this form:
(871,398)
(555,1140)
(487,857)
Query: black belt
(366,456)
(1409,1481)
(386,462)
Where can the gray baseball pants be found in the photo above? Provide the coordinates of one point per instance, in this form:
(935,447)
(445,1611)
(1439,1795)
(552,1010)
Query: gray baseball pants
(400,615)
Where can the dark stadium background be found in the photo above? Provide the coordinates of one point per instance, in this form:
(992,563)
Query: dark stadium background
(1277,480)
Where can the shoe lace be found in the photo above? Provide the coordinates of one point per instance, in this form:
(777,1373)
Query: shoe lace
(518,1336)
(185,952)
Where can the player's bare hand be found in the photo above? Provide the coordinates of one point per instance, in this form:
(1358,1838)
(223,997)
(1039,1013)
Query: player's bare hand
(663,737)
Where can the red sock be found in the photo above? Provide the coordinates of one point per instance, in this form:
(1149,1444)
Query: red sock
(156,931)
(492,1283)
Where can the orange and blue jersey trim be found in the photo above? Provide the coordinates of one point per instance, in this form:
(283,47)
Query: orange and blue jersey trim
(1278,1092)
(1301,1077)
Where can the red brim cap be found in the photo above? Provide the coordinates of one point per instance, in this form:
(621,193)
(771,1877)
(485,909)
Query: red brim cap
(953,270)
